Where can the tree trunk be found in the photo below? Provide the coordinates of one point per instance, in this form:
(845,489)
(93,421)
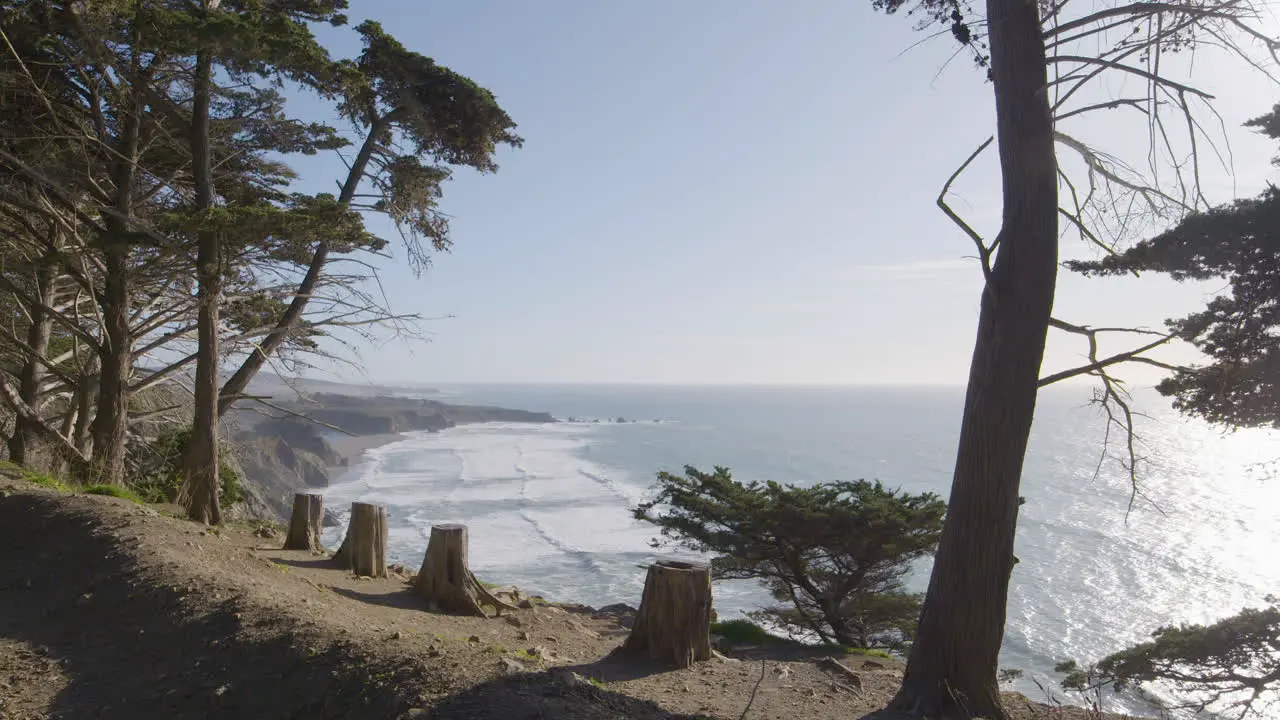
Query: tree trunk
(364,550)
(844,636)
(115,357)
(951,671)
(446,580)
(201,481)
(304,524)
(239,381)
(111,424)
(25,435)
(85,392)
(673,625)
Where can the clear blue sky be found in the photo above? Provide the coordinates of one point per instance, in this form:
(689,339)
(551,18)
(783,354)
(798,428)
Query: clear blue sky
(724,191)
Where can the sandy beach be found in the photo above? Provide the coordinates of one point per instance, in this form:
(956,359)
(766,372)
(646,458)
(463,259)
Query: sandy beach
(351,448)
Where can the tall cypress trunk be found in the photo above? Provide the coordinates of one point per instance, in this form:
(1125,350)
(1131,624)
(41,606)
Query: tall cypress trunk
(110,424)
(110,428)
(239,381)
(201,481)
(25,435)
(952,669)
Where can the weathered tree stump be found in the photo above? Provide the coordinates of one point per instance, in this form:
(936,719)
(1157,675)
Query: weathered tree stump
(304,524)
(673,625)
(364,550)
(446,580)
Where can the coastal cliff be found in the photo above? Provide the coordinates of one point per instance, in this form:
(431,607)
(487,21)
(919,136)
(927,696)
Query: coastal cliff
(293,450)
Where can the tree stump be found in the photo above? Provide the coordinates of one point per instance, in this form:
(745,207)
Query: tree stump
(364,550)
(304,524)
(673,625)
(446,580)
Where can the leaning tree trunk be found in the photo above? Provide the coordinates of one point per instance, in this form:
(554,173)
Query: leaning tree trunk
(673,625)
(951,671)
(446,580)
(364,550)
(304,524)
(292,316)
(25,434)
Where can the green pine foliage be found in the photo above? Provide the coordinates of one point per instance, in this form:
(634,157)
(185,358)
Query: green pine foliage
(1232,665)
(1236,245)
(836,554)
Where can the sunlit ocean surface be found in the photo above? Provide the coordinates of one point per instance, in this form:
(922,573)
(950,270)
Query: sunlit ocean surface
(548,505)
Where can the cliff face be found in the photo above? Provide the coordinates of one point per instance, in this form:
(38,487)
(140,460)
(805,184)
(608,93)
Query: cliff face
(281,456)
(272,471)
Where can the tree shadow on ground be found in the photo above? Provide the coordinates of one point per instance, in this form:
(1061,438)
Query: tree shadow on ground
(399,599)
(318,563)
(131,644)
(556,694)
(785,651)
(133,647)
(620,666)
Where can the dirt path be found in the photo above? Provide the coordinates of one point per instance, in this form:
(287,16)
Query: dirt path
(112,610)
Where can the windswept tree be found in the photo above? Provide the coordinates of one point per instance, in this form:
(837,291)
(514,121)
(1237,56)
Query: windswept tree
(1231,664)
(836,553)
(409,109)
(97,158)
(235,53)
(1229,667)
(1238,331)
(1047,64)
(416,119)
(152,226)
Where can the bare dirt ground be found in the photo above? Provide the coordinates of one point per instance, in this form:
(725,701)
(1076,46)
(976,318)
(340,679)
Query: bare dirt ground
(113,610)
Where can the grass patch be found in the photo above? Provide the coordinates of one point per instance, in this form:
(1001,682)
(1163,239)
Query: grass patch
(261,526)
(47,481)
(112,491)
(865,652)
(528,656)
(17,472)
(741,632)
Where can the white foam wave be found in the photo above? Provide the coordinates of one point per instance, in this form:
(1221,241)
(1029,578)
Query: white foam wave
(529,498)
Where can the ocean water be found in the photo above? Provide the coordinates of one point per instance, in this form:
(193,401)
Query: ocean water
(548,506)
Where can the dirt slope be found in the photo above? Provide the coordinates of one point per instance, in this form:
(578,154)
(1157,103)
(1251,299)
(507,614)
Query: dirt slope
(112,610)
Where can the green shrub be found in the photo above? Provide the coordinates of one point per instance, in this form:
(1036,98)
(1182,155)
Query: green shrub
(159,474)
(742,632)
(113,491)
(836,553)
